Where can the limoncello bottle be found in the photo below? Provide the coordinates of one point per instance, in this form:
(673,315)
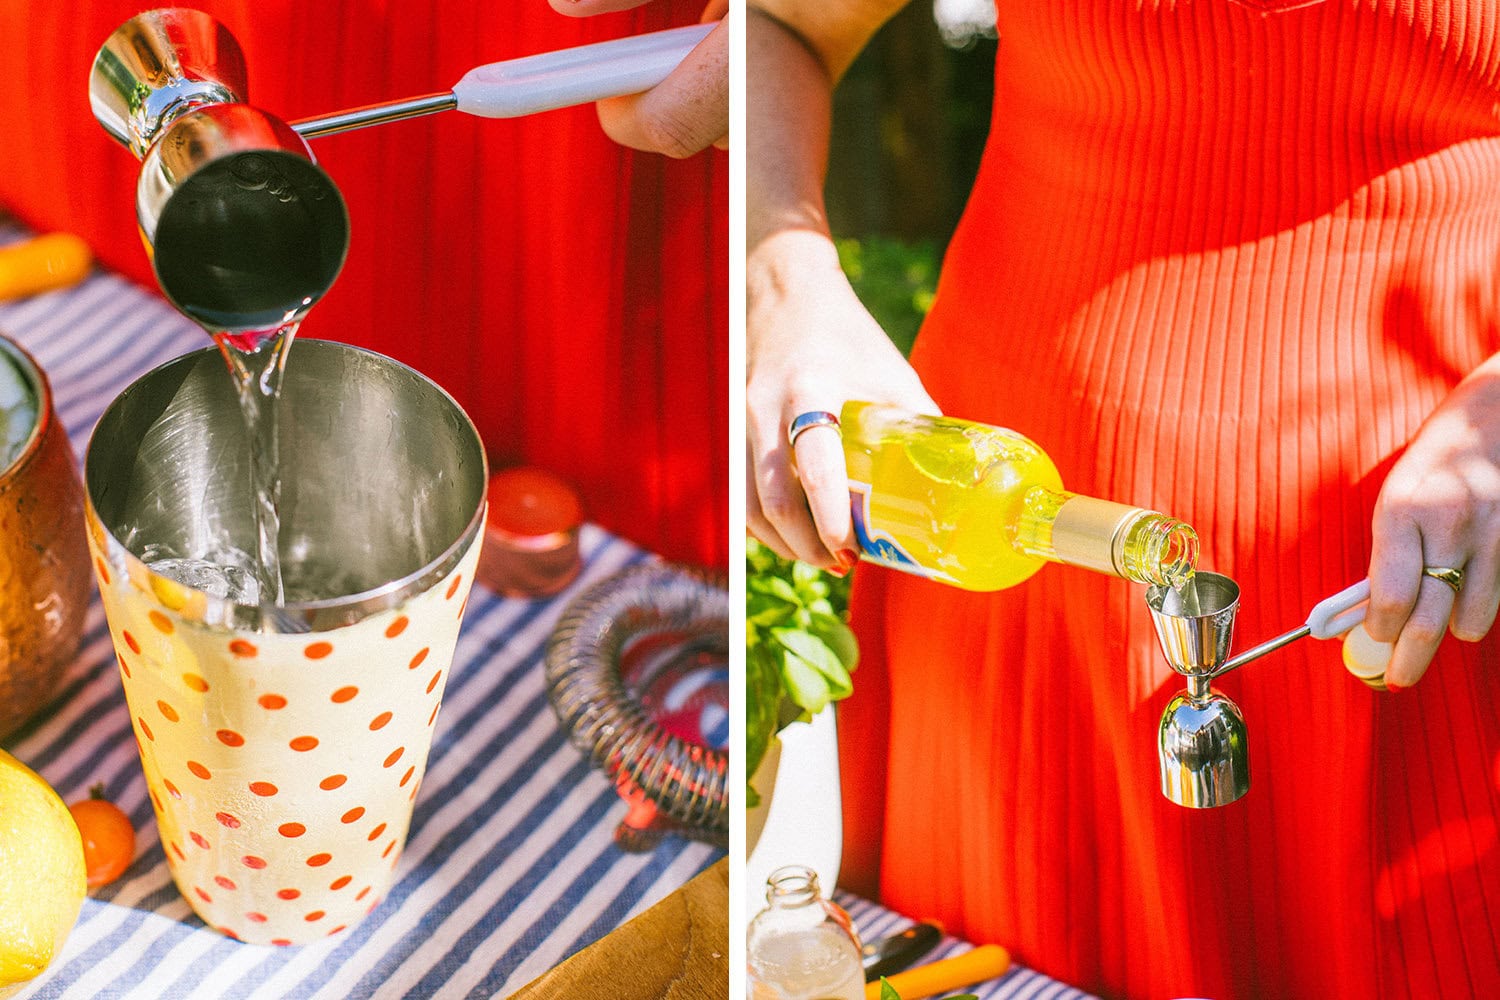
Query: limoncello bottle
(983,508)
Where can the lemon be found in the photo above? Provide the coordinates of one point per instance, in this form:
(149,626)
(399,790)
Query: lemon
(41,874)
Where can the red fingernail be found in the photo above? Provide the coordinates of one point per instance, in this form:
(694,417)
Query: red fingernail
(847,559)
(839,571)
(1393,687)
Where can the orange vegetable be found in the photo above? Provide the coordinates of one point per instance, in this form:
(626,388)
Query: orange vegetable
(108,837)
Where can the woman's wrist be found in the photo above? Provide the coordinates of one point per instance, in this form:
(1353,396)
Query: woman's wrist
(788,262)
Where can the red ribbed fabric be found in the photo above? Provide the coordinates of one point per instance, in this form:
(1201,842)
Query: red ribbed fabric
(1219,263)
(572,295)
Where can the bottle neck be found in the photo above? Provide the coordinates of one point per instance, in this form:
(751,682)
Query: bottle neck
(1131,542)
(793,886)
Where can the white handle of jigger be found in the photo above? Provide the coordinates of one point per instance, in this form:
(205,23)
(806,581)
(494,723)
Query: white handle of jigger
(1342,614)
(1333,616)
(578,75)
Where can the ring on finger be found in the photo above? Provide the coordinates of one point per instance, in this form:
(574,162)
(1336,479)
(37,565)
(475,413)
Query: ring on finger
(1454,578)
(804,422)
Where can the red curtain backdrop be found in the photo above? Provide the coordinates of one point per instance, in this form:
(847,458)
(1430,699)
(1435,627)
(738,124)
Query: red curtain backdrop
(570,294)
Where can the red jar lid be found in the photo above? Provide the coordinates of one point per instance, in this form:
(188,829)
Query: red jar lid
(531,502)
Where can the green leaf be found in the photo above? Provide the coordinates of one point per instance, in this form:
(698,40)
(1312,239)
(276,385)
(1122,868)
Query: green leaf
(767,610)
(887,991)
(762,702)
(805,685)
(774,586)
(817,655)
(838,638)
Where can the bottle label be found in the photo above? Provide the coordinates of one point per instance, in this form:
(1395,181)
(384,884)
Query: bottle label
(879,546)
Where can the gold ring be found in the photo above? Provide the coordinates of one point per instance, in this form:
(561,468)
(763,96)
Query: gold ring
(1447,574)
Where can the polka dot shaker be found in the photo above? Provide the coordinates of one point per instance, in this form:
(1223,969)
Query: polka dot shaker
(283,767)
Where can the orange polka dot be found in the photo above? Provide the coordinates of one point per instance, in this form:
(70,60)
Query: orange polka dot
(353,814)
(396,627)
(319,860)
(258,918)
(198,769)
(413,796)
(434,682)
(178,851)
(289,893)
(242,648)
(433,717)
(407,776)
(251,861)
(315,916)
(395,755)
(145,728)
(228,933)
(362,894)
(340,882)
(263,788)
(343,694)
(230,738)
(135,647)
(124,667)
(291,829)
(167,711)
(171,788)
(228,819)
(281,941)
(416,661)
(340,927)
(272,701)
(103,570)
(203,895)
(156,800)
(331,782)
(453,587)
(388,849)
(463,606)
(162,622)
(199,839)
(303,744)
(376,832)
(317,650)
(224,883)
(195,682)
(380,720)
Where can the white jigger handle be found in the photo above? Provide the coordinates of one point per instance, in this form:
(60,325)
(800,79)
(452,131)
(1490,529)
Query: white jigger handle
(1333,616)
(578,75)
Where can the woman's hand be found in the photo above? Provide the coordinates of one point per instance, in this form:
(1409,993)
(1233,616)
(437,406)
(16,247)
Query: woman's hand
(685,113)
(810,345)
(1440,507)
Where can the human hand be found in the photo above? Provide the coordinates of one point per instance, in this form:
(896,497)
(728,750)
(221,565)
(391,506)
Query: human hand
(1440,506)
(685,113)
(810,345)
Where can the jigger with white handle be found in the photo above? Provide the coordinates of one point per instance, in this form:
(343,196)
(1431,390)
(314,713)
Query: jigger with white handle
(246,231)
(1202,743)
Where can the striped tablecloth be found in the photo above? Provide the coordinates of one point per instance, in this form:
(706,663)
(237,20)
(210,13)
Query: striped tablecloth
(510,866)
(1020,983)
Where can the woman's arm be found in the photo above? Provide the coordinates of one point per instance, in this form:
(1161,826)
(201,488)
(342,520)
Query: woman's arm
(810,344)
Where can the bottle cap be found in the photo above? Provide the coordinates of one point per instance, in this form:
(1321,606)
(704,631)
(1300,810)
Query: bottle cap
(531,533)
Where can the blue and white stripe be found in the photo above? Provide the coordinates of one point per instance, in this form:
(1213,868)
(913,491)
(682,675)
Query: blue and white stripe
(510,866)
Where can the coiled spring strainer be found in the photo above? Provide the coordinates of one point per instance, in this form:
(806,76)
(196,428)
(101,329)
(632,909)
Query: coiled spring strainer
(620,653)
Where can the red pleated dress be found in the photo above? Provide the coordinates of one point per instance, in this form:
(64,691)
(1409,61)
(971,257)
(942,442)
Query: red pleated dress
(1222,263)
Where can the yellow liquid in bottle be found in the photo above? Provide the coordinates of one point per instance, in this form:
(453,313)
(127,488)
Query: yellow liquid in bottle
(943,498)
(983,508)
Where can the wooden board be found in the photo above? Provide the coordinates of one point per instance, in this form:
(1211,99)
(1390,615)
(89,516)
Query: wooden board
(677,950)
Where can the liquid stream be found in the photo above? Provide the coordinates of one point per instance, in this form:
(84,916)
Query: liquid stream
(257,363)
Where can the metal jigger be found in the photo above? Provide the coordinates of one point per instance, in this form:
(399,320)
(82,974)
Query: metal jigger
(246,232)
(1202,743)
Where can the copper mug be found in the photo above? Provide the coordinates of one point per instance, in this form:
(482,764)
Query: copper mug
(44,566)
